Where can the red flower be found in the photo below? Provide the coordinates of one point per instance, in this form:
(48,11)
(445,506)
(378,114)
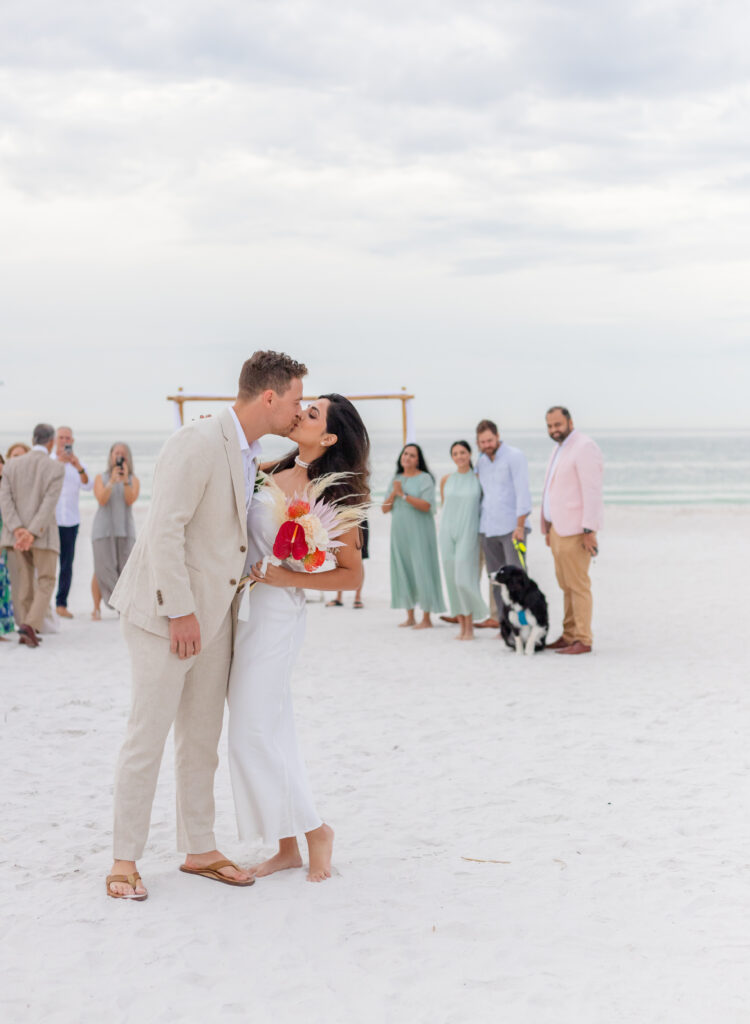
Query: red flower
(314,560)
(290,541)
(297,509)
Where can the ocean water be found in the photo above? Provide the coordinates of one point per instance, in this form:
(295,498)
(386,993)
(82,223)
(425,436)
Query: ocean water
(641,467)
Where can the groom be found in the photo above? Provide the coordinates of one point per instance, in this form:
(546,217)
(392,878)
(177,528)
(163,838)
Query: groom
(175,598)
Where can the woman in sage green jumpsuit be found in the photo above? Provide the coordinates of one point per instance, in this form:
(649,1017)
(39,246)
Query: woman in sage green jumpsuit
(459,541)
(415,570)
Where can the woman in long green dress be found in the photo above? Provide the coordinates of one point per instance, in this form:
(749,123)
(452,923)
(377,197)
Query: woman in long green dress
(459,541)
(415,570)
(7,625)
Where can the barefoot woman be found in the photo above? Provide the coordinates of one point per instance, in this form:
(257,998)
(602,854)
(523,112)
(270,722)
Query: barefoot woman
(415,570)
(271,792)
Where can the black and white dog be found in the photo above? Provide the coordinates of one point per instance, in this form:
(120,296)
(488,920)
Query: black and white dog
(524,621)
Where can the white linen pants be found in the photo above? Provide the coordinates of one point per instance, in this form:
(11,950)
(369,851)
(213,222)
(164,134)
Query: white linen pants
(191,694)
(272,796)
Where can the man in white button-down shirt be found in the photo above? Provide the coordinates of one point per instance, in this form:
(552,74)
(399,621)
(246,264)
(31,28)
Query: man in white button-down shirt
(67,513)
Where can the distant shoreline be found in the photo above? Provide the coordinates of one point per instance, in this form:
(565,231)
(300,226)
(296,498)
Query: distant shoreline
(663,469)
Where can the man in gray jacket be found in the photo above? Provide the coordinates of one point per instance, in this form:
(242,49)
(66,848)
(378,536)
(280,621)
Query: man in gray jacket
(30,487)
(175,597)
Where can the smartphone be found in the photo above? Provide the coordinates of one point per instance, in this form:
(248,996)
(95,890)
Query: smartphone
(68,449)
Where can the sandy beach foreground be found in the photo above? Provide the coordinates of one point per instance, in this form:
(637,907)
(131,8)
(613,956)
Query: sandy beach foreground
(518,840)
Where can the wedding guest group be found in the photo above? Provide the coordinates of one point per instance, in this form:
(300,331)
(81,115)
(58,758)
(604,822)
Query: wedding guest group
(68,513)
(113,530)
(29,491)
(485,512)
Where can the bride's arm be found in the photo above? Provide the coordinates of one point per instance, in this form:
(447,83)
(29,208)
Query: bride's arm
(348,575)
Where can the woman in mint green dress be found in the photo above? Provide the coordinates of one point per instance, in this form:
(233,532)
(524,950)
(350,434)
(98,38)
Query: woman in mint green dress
(415,570)
(459,541)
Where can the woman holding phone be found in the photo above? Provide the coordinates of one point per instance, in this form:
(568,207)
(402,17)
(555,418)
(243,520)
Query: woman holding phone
(113,532)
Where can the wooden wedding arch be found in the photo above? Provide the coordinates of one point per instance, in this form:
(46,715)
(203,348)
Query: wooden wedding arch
(407,406)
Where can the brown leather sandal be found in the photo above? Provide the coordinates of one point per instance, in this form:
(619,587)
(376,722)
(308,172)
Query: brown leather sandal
(212,871)
(130,880)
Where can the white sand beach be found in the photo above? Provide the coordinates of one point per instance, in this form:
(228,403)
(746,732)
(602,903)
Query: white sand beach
(544,840)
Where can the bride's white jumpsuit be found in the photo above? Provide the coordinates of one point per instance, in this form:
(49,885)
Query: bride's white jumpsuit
(272,796)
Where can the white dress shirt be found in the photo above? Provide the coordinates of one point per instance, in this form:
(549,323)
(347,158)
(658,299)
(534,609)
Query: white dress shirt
(250,460)
(505,490)
(546,511)
(67,512)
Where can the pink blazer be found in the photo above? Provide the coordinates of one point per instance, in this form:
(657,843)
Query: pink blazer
(575,493)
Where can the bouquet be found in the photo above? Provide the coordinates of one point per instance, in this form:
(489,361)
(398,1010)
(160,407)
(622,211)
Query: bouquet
(308,526)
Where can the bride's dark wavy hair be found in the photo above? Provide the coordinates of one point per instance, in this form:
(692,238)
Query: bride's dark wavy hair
(350,454)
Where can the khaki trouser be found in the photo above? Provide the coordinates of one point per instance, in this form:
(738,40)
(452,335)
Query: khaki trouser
(572,562)
(190,694)
(33,575)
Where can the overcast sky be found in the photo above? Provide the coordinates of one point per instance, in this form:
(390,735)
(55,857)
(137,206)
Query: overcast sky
(499,205)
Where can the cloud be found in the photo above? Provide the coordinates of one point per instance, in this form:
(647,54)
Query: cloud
(408,177)
(467,54)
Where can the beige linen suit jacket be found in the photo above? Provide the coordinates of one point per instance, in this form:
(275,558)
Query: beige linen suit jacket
(190,555)
(29,490)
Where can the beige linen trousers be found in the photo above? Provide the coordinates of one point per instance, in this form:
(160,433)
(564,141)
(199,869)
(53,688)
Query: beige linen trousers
(191,695)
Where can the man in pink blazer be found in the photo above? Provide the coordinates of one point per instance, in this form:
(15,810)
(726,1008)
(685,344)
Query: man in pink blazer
(572,514)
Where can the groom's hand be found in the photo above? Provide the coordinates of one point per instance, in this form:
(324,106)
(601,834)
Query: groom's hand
(185,636)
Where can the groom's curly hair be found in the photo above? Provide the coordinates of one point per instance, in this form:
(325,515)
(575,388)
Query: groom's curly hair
(268,370)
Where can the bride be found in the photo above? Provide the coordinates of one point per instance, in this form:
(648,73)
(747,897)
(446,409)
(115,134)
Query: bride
(272,796)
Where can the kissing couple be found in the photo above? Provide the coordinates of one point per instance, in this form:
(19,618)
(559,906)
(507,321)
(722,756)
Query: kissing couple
(207,618)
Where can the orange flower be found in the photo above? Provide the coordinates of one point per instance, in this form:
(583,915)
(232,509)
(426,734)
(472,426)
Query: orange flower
(314,560)
(297,509)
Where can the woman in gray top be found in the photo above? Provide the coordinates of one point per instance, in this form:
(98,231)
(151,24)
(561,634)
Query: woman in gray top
(113,532)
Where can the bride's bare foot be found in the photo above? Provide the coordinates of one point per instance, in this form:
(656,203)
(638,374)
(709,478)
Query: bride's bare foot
(320,847)
(287,857)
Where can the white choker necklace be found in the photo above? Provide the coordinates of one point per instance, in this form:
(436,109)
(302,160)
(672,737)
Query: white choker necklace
(298,462)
